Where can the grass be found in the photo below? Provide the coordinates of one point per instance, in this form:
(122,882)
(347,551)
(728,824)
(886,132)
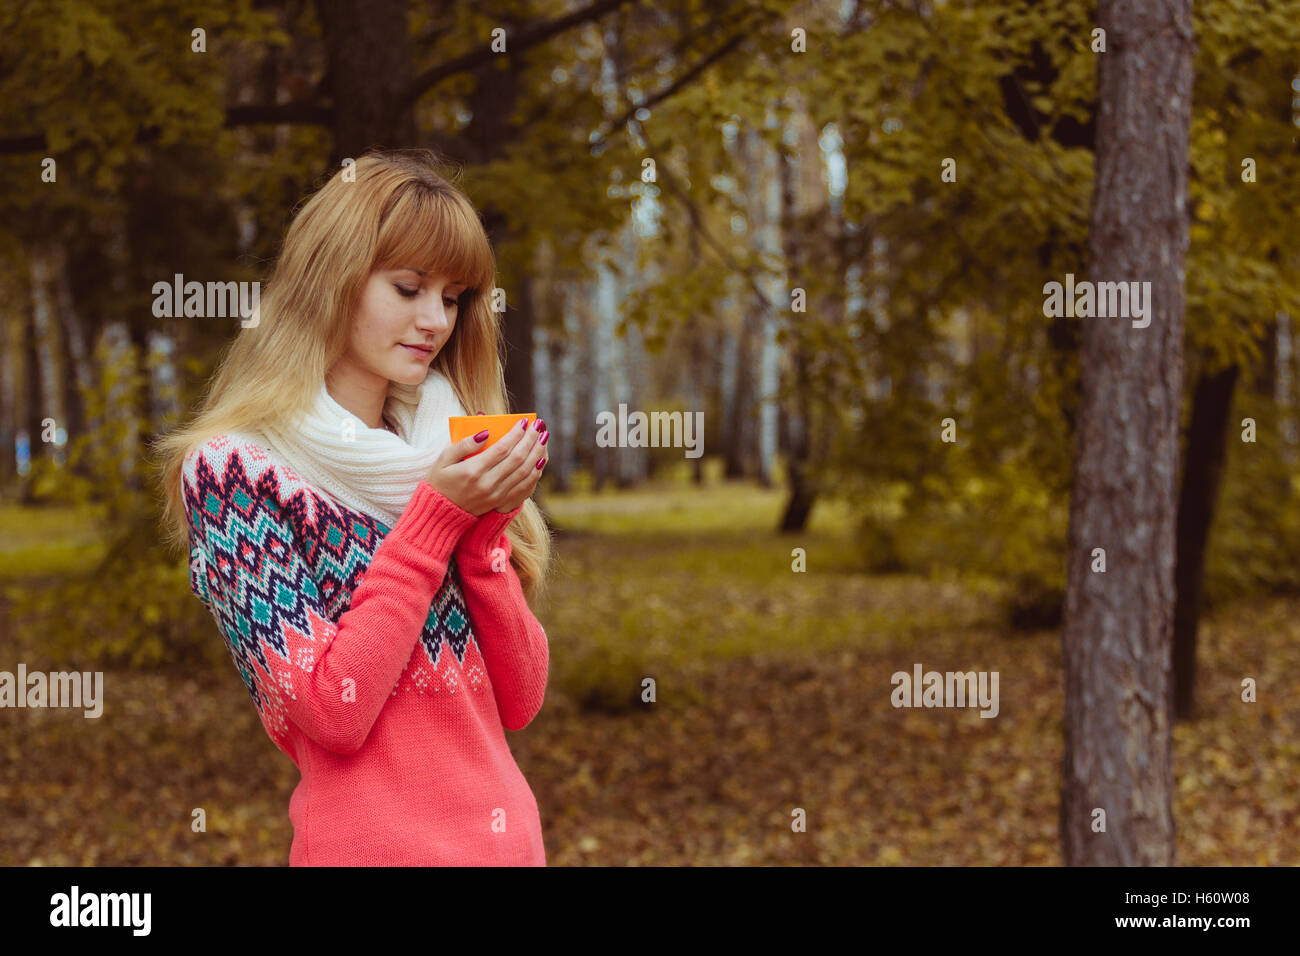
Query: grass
(669,576)
(37,542)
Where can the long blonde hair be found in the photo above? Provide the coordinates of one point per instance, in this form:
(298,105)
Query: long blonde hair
(396,209)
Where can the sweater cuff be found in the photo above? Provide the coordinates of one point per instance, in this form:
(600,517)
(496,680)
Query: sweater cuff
(486,532)
(432,522)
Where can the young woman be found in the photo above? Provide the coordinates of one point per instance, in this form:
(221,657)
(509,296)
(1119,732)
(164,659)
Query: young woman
(371,579)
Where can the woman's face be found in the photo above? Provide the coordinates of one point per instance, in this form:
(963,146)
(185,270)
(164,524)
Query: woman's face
(403,319)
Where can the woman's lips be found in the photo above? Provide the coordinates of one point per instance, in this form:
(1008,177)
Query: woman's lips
(416,350)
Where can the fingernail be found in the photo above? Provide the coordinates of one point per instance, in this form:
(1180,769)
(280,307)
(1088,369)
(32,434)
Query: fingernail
(480,413)
(482,435)
(545,437)
(540,463)
(541,425)
(524,422)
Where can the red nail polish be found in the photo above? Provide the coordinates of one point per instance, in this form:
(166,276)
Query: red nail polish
(540,463)
(482,435)
(545,438)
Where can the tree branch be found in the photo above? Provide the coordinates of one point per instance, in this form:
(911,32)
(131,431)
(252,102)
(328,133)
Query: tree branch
(672,88)
(529,37)
(301,112)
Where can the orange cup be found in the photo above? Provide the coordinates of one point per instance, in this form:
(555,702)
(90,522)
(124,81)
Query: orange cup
(498,426)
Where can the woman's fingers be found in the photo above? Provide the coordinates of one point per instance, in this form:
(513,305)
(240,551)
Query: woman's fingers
(515,457)
(523,480)
(495,459)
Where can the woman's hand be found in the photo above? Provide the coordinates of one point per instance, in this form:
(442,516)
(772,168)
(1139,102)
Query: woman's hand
(502,477)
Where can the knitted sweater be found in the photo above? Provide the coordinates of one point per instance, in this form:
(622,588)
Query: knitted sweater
(385,662)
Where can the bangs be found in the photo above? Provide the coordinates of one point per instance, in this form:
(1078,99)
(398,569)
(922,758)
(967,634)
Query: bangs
(438,234)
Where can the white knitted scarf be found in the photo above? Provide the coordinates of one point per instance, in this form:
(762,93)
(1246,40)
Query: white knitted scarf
(371,470)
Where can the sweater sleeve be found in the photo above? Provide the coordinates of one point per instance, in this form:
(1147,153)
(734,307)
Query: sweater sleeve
(331,680)
(512,640)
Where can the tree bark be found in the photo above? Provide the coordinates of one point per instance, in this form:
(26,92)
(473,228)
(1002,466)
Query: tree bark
(45,323)
(1116,638)
(799,421)
(765,224)
(32,414)
(1202,471)
(702,365)
(8,398)
(81,380)
(368,48)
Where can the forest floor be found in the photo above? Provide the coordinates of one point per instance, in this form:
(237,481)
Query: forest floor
(772,694)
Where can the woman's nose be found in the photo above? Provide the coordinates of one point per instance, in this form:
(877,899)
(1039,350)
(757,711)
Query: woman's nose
(434,319)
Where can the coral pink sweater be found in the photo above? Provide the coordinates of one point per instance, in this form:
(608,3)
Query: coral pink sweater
(384,662)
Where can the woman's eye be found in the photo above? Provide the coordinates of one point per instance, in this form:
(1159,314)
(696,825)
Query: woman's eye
(452,303)
(408,293)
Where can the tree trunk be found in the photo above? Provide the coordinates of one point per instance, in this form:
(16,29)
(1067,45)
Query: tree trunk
(517,326)
(81,381)
(1202,471)
(799,421)
(741,453)
(1118,624)
(32,414)
(765,201)
(140,403)
(1286,388)
(560,418)
(732,392)
(702,364)
(8,398)
(45,323)
(607,390)
(368,49)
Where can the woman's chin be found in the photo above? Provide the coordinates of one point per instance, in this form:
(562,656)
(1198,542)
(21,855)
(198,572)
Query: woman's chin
(410,376)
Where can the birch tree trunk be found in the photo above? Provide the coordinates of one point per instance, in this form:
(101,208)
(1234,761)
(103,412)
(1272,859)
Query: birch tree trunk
(733,381)
(768,200)
(609,388)
(702,364)
(1285,389)
(1117,629)
(633,461)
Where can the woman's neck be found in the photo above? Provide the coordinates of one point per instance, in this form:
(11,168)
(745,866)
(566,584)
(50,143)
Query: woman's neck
(361,393)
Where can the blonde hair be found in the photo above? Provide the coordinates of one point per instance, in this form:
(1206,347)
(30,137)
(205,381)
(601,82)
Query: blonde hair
(399,210)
